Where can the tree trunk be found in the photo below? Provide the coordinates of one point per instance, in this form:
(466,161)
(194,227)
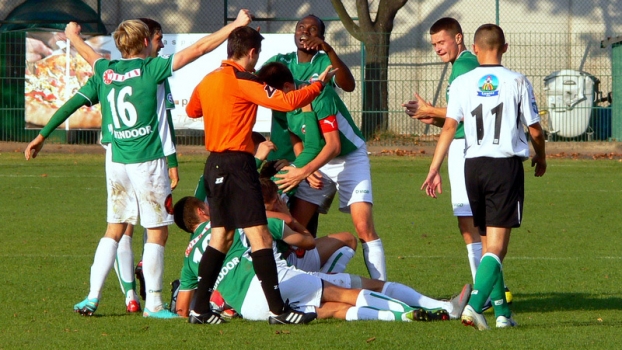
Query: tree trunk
(375,115)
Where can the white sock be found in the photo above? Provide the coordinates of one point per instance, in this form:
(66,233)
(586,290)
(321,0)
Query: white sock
(380,301)
(373,253)
(357,313)
(124,264)
(338,261)
(102,263)
(412,297)
(474,252)
(153,270)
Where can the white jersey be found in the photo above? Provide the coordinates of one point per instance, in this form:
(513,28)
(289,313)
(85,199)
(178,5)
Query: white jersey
(494,103)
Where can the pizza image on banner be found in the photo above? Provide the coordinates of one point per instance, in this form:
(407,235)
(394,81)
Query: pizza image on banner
(50,82)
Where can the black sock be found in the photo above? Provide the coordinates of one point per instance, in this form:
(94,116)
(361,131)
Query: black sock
(265,269)
(209,268)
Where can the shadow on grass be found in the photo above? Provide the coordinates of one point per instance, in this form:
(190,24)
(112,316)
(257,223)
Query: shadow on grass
(554,302)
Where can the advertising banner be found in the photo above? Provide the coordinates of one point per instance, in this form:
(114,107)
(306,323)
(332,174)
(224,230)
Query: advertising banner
(54,74)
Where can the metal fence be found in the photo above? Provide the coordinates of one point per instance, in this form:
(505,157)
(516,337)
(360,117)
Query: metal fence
(545,37)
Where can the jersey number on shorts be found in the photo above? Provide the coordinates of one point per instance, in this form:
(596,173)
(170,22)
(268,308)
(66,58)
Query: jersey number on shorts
(121,109)
(479,122)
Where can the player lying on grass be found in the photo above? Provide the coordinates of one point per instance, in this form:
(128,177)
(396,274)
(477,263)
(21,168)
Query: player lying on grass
(357,298)
(329,141)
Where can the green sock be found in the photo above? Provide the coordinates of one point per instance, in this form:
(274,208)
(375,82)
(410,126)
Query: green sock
(486,277)
(497,296)
(125,285)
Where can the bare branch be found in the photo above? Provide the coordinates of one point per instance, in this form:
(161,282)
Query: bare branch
(347,21)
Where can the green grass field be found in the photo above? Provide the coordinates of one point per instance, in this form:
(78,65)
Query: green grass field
(564,264)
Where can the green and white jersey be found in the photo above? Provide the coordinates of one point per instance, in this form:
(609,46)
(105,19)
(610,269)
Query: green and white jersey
(308,71)
(329,104)
(465,62)
(237,270)
(276,228)
(130,94)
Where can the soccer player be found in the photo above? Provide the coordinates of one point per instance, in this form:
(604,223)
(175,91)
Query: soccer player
(329,254)
(227,99)
(448,43)
(140,142)
(87,96)
(496,146)
(340,153)
(313,54)
(341,295)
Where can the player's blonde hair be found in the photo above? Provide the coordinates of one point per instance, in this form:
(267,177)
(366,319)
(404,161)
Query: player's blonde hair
(130,37)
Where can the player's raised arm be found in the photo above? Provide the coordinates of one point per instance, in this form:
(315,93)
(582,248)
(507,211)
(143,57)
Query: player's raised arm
(72,31)
(210,42)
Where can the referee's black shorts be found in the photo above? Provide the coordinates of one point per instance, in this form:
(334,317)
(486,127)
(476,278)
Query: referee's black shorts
(496,190)
(233,190)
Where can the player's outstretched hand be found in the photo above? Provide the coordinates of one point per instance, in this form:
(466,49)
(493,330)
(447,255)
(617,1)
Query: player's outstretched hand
(327,74)
(289,178)
(315,180)
(432,183)
(316,43)
(72,30)
(540,164)
(263,149)
(244,18)
(34,147)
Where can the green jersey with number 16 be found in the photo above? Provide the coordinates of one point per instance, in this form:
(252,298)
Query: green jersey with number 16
(128,91)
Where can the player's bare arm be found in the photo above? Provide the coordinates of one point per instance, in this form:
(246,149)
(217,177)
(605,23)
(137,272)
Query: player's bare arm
(537,140)
(173,174)
(344,77)
(433,182)
(209,42)
(72,31)
(263,149)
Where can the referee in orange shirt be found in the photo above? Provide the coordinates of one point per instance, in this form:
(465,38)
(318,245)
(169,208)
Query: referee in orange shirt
(227,99)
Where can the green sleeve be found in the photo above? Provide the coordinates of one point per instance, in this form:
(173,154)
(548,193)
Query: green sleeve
(171,160)
(258,163)
(188,279)
(313,141)
(64,112)
(199,191)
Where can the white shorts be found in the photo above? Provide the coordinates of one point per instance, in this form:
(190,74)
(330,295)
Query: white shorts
(349,175)
(455,166)
(309,262)
(141,189)
(304,291)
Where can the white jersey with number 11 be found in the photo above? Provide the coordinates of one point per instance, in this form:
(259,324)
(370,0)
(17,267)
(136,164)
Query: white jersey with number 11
(494,103)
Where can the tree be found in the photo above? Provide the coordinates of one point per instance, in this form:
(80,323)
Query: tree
(376,36)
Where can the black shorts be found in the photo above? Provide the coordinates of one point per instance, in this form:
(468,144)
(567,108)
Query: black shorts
(233,190)
(496,190)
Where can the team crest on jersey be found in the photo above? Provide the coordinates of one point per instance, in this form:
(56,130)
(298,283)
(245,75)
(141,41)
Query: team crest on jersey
(314,77)
(488,85)
(169,98)
(109,76)
(303,130)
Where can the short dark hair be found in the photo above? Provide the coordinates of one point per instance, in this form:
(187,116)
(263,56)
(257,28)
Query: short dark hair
(185,214)
(269,190)
(448,24)
(275,74)
(241,41)
(154,26)
(489,37)
(322,26)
